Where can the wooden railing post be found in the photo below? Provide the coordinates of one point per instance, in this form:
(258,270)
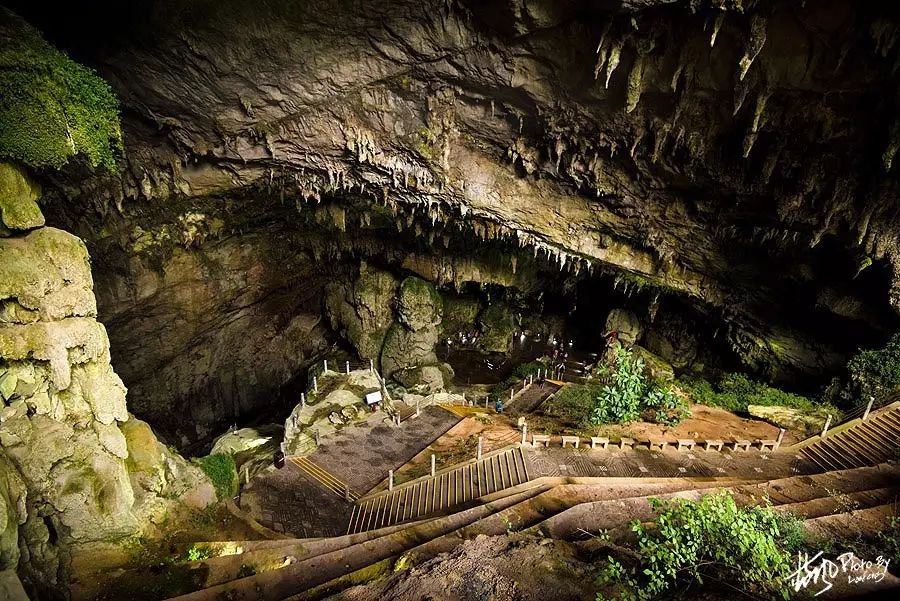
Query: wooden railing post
(868,408)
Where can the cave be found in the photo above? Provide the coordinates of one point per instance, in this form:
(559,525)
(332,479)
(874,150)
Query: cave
(232,232)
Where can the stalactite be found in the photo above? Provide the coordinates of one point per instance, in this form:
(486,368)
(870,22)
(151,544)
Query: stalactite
(613,61)
(750,138)
(755,44)
(717,25)
(635,83)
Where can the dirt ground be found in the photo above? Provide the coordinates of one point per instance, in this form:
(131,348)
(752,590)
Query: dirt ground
(460,442)
(499,568)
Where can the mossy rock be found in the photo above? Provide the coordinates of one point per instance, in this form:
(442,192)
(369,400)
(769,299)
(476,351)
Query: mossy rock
(497,328)
(18,193)
(51,107)
(460,314)
(405,348)
(419,304)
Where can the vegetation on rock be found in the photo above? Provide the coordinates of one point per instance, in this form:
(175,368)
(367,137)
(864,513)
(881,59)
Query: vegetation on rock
(709,539)
(735,392)
(52,108)
(222,472)
(876,372)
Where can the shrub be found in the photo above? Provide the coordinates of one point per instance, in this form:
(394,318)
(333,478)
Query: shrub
(222,472)
(711,538)
(876,372)
(620,399)
(52,108)
(669,408)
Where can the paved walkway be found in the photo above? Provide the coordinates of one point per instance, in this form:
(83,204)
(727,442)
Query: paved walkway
(529,401)
(289,501)
(635,463)
(361,455)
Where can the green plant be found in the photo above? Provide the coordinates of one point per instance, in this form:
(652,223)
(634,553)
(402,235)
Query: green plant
(197,553)
(52,108)
(620,399)
(669,409)
(222,472)
(712,538)
(574,403)
(876,372)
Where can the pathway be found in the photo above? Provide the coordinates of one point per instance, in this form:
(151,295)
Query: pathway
(637,463)
(532,398)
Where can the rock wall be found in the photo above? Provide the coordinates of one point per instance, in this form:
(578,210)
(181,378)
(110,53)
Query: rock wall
(727,153)
(65,472)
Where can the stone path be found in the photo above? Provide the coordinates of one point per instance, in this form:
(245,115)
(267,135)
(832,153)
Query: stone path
(641,462)
(531,399)
(289,501)
(361,455)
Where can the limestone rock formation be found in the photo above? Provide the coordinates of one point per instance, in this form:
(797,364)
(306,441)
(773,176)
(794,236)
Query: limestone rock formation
(67,465)
(419,305)
(363,310)
(18,196)
(722,165)
(497,327)
(626,324)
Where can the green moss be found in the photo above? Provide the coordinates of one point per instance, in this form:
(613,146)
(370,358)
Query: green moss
(222,472)
(52,108)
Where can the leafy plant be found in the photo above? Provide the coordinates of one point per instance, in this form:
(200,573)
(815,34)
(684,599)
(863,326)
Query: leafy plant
(52,108)
(619,400)
(712,538)
(669,409)
(222,472)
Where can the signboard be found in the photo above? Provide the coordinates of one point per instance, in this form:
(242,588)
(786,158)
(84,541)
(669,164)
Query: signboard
(373,398)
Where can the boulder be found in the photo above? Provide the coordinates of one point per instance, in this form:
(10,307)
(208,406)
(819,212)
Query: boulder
(245,439)
(361,311)
(497,328)
(18,193)
(419,305)
(655,367)
(425,379)
(788,418)
(404,348)
(626,324)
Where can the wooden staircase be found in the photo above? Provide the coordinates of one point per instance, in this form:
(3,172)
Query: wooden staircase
(325,478)
(560,508)
(427,496)
(858,443)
